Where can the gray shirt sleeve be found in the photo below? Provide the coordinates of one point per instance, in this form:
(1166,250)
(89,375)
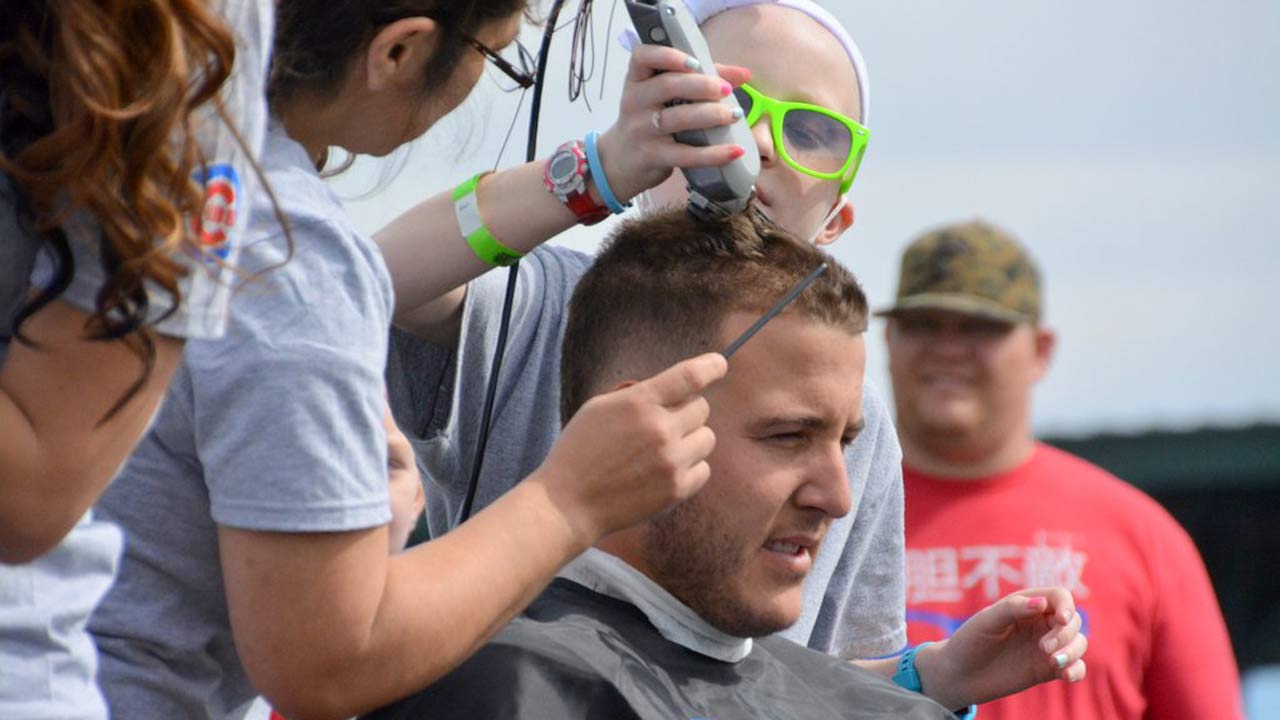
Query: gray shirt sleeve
(438,395)
(230,181)
(287,408)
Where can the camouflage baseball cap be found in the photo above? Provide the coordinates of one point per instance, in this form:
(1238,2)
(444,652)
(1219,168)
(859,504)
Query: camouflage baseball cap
(973,268)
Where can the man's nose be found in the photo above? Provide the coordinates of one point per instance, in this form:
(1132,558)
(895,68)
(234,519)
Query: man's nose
(827,486)
(950,340)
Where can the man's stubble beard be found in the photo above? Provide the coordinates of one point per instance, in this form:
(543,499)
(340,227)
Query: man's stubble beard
(694,558)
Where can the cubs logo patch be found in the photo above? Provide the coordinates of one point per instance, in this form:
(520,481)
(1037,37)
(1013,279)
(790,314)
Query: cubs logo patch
(221,204)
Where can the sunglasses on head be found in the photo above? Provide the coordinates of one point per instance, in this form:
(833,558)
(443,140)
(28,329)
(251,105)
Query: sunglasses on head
(810,138)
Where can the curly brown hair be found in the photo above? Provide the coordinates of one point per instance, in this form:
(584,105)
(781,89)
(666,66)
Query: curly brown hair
(92,119)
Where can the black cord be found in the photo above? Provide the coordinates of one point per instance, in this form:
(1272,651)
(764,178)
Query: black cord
(582,53)
(531,154)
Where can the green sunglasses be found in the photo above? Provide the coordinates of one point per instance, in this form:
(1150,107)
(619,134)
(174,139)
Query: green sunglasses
(810,138)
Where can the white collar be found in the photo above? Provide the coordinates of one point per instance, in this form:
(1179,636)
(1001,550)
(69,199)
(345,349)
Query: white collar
(675,621)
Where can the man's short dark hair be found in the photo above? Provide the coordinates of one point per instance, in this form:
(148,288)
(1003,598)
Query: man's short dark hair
(664,283)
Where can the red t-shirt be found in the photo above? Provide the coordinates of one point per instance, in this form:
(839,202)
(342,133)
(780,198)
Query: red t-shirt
(1158,647)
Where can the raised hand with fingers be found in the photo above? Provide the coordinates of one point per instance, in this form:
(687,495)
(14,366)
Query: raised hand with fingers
(1026,638)
(629,454)
(639,152)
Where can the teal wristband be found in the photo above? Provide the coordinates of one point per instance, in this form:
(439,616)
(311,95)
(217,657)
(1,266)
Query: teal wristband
(597,174)
(908,677)
(482,242)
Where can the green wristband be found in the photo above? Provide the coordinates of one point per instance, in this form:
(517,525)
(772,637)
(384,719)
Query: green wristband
(482,242)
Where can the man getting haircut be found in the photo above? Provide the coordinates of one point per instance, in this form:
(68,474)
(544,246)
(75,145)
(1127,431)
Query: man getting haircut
(675,617)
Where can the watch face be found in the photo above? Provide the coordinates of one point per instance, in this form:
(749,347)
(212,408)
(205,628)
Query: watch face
(563,167)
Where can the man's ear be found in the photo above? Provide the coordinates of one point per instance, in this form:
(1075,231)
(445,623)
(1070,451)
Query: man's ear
(841,220)
(399,52)
(1046,340)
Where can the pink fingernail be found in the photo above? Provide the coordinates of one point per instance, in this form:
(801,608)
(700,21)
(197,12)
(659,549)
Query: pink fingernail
(736,152)
(1036,603)
(725,88)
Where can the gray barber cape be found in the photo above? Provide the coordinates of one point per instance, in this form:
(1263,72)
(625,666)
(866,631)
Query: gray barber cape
(576,653)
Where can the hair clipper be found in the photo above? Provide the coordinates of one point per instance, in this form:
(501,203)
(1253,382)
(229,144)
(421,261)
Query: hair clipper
(712,190)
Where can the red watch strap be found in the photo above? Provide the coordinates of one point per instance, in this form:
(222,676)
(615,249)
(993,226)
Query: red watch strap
(579,202)
(588,212)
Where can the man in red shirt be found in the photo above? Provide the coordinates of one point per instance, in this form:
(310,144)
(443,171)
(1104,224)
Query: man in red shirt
(989,509)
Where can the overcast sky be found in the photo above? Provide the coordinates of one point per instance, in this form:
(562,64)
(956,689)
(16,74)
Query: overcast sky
(1134,146)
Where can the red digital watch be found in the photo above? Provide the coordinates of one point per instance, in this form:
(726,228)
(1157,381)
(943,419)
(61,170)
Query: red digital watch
(566,178)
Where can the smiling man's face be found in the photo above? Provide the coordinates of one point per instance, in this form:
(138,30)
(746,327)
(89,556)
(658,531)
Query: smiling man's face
(960,381)
(738,552)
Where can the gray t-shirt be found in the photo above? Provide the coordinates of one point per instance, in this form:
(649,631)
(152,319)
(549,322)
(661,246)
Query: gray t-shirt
(854,598)
(47,659)
(275,427)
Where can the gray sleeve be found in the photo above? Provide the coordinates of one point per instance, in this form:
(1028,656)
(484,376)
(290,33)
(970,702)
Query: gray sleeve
(287,408)
(203,294)
(863,612)
(419,381)
(230,180)
(438,396)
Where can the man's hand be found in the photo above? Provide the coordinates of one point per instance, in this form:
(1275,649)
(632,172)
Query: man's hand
(404,484)
(632,453)
(1027,638)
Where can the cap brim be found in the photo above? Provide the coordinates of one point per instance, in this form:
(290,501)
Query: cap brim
(966,304)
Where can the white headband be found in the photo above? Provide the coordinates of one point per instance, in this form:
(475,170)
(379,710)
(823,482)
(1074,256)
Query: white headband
(703,10)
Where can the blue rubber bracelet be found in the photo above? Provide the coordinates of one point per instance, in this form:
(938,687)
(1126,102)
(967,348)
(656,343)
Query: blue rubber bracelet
(909,678)
(597,173)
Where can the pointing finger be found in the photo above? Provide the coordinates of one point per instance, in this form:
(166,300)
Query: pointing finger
(676,384)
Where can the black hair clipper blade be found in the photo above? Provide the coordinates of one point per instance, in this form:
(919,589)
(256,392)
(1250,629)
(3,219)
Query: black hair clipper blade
(704,209)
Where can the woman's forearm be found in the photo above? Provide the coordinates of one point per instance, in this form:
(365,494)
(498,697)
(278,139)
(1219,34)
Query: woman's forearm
(430,261)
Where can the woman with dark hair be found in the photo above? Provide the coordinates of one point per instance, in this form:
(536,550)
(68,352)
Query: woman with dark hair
(257,506)
(122,166)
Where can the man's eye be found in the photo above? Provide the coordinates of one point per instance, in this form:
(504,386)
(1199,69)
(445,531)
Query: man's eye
(788,438)
(984,329)
(918,326)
